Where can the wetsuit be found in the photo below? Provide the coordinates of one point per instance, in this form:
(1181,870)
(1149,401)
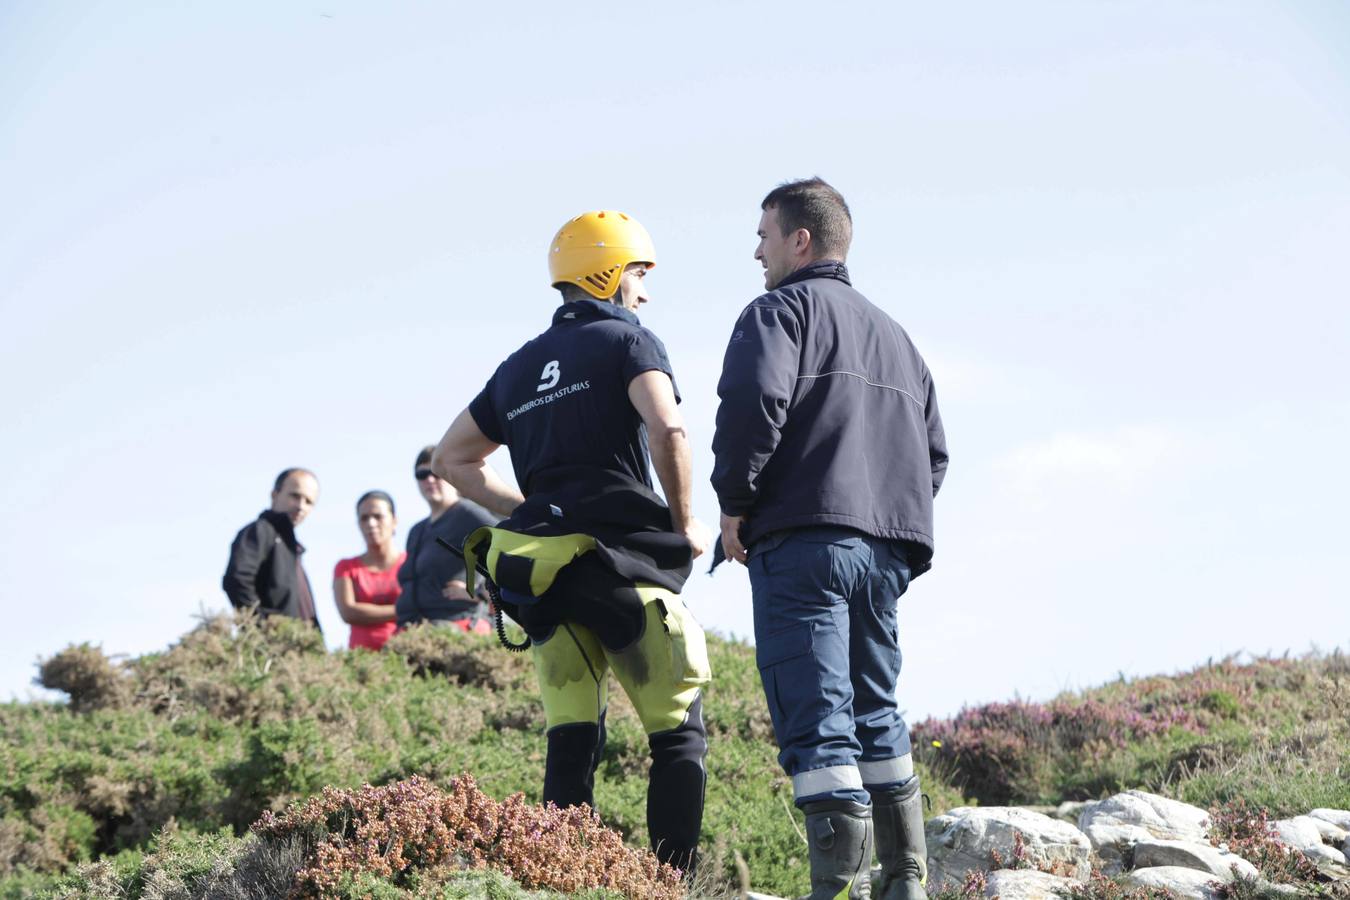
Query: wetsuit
(610,600)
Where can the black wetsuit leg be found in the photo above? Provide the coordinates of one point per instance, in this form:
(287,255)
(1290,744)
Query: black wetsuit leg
(574,753)
(676,790)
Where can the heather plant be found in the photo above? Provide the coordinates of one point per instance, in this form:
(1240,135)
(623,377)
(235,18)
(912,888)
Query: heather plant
(1100,887)
(976,884)
(389,831)
(1193,735)
(1248,831)
(972,887)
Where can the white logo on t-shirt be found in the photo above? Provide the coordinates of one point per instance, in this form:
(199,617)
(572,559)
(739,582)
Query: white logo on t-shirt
(550,376)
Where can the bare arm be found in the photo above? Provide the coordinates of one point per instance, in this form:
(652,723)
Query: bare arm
(354,613)
(461,459)
(653,396)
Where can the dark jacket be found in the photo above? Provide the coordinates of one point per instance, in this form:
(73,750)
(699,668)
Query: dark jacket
(264,571)
(828,417)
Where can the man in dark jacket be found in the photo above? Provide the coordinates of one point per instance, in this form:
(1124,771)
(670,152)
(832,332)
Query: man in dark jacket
(591,560)
(829,451)
(265,573)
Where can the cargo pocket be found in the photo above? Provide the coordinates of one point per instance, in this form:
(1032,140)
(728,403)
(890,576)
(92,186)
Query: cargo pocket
(783,645)
(777,657)
(688,650)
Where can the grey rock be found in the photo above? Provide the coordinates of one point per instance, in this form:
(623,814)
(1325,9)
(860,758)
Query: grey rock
(1330,860)
(1300,832)
(1027,884)
(1118,823)
(1331,833)
(1338,817)
(1201,857)
(1187,883)
(964,840)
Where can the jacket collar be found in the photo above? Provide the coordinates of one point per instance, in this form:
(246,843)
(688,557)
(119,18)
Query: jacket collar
(590,310)
(821,268)
(282,523)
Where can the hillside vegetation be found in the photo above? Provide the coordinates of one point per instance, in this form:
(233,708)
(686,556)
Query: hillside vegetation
(152,780)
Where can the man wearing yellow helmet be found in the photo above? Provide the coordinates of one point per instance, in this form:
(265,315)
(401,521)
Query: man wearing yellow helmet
(590,560)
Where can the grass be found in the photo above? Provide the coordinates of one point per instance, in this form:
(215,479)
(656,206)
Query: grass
(149,782)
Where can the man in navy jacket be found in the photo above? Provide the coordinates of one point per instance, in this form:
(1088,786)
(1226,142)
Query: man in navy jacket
(829,452)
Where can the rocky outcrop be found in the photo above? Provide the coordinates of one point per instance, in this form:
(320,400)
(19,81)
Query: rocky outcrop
(969,839)
(1310,835)
(1188,883)
(1116,824)
(1338,817)
(1202,857)
(1027,884)
(1149,840)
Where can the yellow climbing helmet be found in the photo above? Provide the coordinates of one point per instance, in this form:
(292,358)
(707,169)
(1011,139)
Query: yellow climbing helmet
(592,250)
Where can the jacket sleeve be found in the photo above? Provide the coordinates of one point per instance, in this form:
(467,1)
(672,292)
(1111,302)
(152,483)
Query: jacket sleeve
(247,553)
(759,374)
(937,438)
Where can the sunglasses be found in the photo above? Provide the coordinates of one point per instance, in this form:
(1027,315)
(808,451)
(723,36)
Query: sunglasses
(423,473)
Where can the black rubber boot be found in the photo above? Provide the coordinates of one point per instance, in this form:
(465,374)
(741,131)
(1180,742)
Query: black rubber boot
(839,838)
(901,848)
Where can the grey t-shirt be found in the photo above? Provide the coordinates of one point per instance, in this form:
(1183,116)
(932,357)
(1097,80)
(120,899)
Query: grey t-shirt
(429,566)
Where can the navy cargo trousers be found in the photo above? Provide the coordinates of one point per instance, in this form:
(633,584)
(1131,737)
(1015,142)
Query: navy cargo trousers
(827,646)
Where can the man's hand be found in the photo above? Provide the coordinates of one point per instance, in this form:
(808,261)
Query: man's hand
(698,536)
(455,590)
(731,538)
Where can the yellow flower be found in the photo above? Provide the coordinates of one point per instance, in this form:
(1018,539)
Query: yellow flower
(937,744)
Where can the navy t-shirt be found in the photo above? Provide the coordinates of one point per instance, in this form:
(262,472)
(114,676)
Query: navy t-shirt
(562,399)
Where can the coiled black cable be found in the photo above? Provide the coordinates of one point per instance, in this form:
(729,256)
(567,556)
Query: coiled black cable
(495,593)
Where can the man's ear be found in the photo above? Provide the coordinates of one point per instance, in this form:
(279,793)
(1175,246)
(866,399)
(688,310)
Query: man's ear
(801,240)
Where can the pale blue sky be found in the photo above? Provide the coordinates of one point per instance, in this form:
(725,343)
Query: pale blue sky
(238,237)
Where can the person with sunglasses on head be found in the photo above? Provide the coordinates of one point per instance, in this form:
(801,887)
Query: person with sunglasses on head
(432,579)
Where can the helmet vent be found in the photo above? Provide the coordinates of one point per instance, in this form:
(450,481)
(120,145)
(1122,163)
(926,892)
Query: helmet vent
(601,280)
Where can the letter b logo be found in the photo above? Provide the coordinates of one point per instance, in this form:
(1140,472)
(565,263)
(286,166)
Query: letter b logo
(549,377)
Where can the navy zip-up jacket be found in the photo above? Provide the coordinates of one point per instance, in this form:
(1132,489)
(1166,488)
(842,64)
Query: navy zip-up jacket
(828,417)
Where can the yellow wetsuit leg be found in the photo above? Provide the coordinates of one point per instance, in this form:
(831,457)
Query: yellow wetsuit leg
(572,673)
(663,671)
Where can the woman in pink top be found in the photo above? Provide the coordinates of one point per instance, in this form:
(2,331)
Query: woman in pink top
(366,586)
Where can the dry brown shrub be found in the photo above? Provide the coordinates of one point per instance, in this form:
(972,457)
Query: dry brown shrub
(238,668)
(412,825)
(92,680)
(438,650)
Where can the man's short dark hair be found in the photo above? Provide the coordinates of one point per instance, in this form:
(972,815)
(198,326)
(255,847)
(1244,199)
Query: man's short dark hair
(571,293)
(812,204)
(287,473)
(424,457)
